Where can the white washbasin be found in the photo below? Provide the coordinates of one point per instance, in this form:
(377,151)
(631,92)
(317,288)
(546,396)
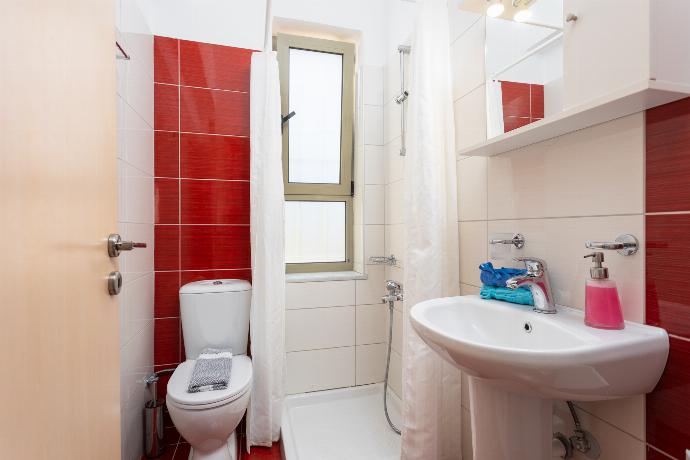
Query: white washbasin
(558,358)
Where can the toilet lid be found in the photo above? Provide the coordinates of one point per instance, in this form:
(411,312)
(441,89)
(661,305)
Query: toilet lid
(240,380)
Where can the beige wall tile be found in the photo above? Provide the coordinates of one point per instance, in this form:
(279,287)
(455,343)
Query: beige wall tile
(467,59)
(472,188)
(320,369)
(468,289)
(370,290)
(395,163)
(395,241)
(628,414)
(473,250)
(395,202)
(371,363)
(371,324)
(315,328)
(595,171)
(395,374)
(374,205)
(561,242)
(374,244)
(470,118)
(319,294)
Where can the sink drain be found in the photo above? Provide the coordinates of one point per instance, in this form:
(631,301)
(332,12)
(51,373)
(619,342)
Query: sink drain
(527,327)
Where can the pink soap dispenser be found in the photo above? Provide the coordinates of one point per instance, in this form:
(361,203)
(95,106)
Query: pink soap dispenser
(602,304)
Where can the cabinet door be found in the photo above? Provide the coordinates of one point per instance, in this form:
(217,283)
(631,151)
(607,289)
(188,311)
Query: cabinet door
(606,49)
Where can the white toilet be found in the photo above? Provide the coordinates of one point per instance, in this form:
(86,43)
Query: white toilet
(215,313)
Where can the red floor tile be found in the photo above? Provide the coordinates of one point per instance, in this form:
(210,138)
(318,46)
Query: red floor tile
(264,453)
(214,157)
(214,112)
(214,202)
(165,60)
(214,66)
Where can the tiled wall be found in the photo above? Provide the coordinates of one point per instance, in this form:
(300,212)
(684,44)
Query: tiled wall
(201,176)
(668,259)
(523,103)
(336,330)
(135,220)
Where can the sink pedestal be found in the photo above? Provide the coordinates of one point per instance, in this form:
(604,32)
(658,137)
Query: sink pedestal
(507,425)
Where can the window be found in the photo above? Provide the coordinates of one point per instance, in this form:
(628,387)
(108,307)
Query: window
(316,82)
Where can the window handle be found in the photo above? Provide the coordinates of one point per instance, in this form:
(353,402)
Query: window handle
(286,118)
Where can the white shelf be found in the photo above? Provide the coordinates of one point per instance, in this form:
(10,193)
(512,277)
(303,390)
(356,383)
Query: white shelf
(641,96)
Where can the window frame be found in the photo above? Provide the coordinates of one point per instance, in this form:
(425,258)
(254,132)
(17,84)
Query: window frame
(342,191)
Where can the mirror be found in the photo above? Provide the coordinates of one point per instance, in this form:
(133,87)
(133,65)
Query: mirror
(524,64)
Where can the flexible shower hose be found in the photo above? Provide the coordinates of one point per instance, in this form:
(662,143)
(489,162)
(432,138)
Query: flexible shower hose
(388,365)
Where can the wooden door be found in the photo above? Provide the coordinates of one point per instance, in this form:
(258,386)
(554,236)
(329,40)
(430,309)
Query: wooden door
(59,331)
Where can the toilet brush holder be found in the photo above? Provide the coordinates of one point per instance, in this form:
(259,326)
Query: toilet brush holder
(154,445)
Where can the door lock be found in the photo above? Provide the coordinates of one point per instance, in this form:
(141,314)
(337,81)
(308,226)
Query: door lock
(116,245)
(114,283)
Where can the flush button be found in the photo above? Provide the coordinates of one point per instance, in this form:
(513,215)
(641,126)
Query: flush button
(217,282)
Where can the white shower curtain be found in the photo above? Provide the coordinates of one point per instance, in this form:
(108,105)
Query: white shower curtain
(494,108)
(267,330)
(431,387)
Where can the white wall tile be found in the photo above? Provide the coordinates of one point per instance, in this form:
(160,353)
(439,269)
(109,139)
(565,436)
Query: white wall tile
(467,60)
(472,188)
(395,163)
(140,262)
(137,306)
(395,202)
(596,171)
(319,294)
(372,324)
(139,205)
(473,250)
(395,241)
(374,164)
(373,124)
(374,204)
(470,118)
(459,21)
(370,290)
(396,344)
(370,363)
(372,79)
(561,242)
(314,328)
(320,369)
(136,137)
(391,114)
(373,242)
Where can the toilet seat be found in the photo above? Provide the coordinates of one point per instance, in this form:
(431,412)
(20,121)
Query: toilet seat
(240,383)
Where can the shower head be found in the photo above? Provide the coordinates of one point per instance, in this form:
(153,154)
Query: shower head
(402,97)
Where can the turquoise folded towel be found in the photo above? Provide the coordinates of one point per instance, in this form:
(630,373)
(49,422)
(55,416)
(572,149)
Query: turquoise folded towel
(522,296)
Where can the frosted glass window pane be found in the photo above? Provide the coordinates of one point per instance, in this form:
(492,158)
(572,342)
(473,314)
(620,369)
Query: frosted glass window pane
(314,231)
(315,94)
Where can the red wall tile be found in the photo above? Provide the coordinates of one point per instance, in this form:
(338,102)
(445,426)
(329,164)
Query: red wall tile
(166,154)
(166,200)
(214,112)
(214,66)
(167,298)
(511,123)
(536,101)
(208,247)
(166,334)
(165,60)
(166,110)
(215,202)
(668,263)
(668,157)
(166,248)
(516,99)
(214,157)
(668,406)
(655,455)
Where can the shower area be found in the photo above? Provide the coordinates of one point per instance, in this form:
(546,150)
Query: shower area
(344,331)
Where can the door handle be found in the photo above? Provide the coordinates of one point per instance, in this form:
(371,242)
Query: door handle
(116,245)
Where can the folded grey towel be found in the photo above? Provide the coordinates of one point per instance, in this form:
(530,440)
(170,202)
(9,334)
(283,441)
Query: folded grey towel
(211,370)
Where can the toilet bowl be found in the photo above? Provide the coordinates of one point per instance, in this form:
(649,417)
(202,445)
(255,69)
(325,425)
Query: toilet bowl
(215,314)
(207,419)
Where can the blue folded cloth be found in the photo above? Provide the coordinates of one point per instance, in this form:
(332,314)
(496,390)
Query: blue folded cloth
(522,296)
(491,276)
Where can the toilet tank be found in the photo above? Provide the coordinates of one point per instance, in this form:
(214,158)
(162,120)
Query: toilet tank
(215,313)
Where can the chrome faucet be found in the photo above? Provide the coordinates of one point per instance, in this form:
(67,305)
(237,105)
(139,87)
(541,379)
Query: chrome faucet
(395,292)
(537,280)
